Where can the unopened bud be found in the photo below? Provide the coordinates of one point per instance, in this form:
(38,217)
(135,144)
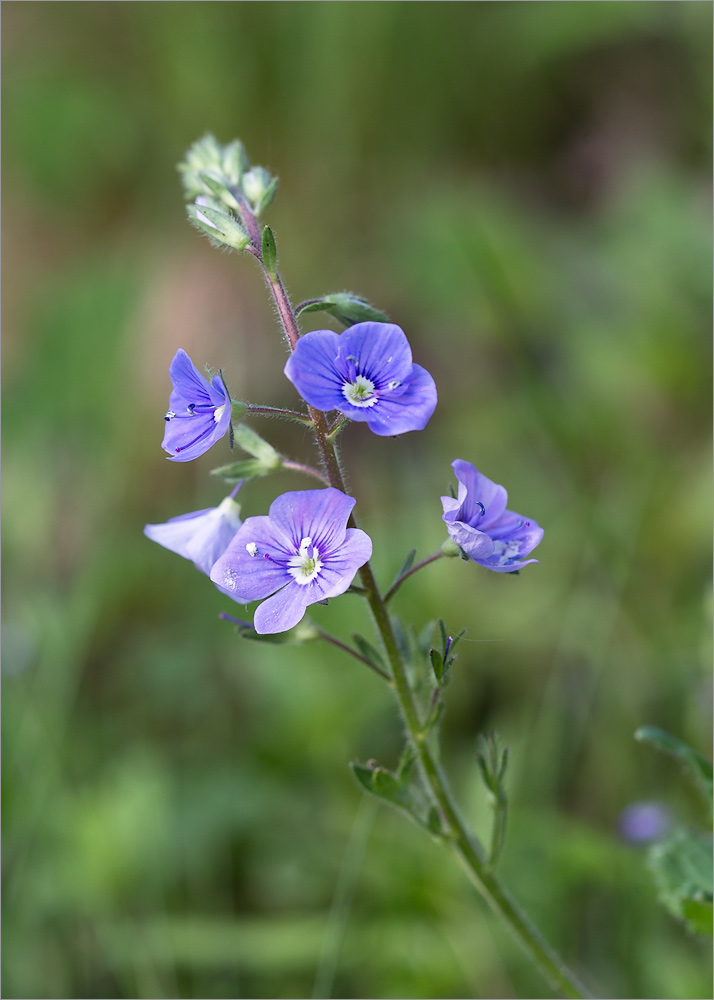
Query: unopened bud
(220,227)
(259,188)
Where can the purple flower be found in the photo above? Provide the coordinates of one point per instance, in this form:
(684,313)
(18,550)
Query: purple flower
(199,411)
(642,822)
(300,553)
(202,536)
(480,524)
(366,373)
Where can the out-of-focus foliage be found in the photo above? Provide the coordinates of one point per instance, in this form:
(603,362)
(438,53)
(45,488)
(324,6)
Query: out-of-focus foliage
(522,187)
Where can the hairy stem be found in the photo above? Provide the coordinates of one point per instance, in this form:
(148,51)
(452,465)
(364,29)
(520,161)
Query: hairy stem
(466,846)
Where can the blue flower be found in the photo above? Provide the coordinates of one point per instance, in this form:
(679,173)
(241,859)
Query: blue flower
(366,373)
(199,411)
(482,527)
(300,553)
(202,536)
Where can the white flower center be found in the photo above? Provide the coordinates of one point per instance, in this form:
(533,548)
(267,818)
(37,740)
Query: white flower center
(305,566)
(218,412)
(360,392)
(507,552)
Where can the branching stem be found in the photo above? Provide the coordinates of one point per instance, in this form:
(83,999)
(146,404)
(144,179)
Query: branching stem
(470,852)
(400,580)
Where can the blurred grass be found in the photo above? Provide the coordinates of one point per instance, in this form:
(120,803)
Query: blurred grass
(525,188)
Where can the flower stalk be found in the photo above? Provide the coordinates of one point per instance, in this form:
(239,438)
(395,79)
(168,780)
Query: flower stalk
(467,848)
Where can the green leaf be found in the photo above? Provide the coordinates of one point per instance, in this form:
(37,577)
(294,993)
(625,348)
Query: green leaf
(270,253)
(369,652)
(256,446)
(406,566)
(682,869)
(695,766)
(249,468)
(346,307)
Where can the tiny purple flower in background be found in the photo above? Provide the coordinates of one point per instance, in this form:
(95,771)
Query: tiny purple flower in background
(480,524)
(199,411)
(202,536)
(643,822)
(366,373)
(300,552)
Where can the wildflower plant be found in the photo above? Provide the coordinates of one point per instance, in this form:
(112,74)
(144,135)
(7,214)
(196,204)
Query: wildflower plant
(307,548)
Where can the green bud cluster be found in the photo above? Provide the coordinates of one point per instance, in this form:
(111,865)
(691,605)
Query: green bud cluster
(220,183)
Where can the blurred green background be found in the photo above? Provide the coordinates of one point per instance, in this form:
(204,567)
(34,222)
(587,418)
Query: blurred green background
(525,189)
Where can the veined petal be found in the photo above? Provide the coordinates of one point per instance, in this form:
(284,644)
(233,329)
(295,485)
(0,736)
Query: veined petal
(281,611)
(340,567)
(480,492)
(381,350)
(187,380)
(407,410)
(317,369)
(254,564)
(321,515)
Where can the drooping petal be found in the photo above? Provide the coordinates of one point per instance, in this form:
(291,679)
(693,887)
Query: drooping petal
(202,536)
(407,410)
(254,564)
(476,544)
(321,515)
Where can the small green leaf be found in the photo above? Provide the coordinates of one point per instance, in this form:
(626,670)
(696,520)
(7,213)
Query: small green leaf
(682,868)
(369,652)
(406,566)
(256,446)
(270,253)
(437,663)
(695,766)
(249,468)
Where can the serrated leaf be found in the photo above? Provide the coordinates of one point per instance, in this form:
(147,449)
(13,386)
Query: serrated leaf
(695,766)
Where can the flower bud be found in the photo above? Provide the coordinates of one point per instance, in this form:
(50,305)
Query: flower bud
(259,188)
(219,226)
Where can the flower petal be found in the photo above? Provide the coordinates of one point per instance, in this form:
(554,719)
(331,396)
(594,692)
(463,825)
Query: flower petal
(407,410)
(187,380)
(317,369)
(476,544)
(253,565)
(281,611)
(381,350)
(321,515)
(340,567)
(479,490)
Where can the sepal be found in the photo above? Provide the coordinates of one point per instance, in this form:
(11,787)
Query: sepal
(220,227)
(259,188)
(346,307)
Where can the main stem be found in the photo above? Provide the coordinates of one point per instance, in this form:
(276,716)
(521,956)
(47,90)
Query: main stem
(467,848)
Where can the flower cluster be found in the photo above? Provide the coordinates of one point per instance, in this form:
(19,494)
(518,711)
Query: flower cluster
(302,551)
